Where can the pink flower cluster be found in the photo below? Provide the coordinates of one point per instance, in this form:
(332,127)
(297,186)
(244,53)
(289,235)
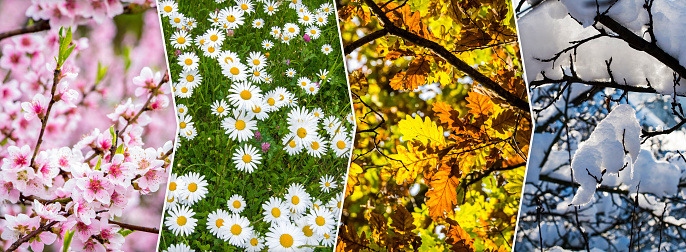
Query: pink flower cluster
(72,12)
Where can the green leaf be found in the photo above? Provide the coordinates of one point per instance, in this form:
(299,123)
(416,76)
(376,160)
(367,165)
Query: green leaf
(102,71)
(120,149)
(97,166)
(113,134)
(67,240)
(125,232)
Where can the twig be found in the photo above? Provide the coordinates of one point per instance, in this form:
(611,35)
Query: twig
(44,119)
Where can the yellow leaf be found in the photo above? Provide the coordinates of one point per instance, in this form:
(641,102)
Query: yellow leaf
(358,82)
(415,128)
(408,163)
(443,194)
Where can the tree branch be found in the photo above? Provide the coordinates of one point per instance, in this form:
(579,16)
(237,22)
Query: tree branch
(439,50)
(42,25)
(364,40)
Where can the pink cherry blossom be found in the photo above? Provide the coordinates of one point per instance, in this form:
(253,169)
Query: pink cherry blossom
(48,212)
(118,171)
(146,81)
(13,59)
(95,187)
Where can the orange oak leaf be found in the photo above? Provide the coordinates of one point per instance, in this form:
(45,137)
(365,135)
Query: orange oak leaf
(443,194)
(458,238)
(478,104)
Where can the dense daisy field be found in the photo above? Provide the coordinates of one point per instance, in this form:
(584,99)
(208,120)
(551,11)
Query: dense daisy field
(264,123)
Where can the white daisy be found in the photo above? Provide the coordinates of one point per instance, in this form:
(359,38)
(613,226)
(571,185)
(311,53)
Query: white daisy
(181,221)
(286,39)
(177,20)
(326,49)
(247,158)
(259,111)
(244,96)
(317,147)
(211,51)
(284,236)
(321,220)
(320,19)
(291,29)
(340,144)
(312,89)
(271,7)
(304,82)
(323,73)
(227,57)
(305,18)
(327,183)
(196,187)
(189,61)
(183,90)
(215,221)
(231,17)
(237,229)
(258,23)
(313,32)
(189,23)
(175,186)
(201,40)
(295,4)
(185,121)
(191,77)
(276,32)
(318,113)
(275,210)
(290,72)
(181,109)
(167,8)
(297,198)
(255,243)
(245,6)
(258,75)
(332,125)
(220,108)
(214,19)
(267,44)
(180,40)
(235,71)
(326,8)
(256,60)
(214,36)
(335,205)
(189,133)
(311,238)
(302,125)
(239,126)
(179,248)
(236,204)
(329,239)
(290,146)
(351,118)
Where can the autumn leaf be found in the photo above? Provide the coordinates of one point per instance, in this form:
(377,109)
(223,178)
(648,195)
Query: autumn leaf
(415,128)
(353,173)
(504,119)
(402,220)
(478,104)
(458,238)
(414,77)
(443,111)
(349,241)
(409,162)
(358,82)
(442,196)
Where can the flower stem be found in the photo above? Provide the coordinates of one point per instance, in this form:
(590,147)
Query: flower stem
(44,119)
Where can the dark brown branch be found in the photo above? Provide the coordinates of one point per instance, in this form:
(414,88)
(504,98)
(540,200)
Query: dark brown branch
(364,40)
(28,237)
(135,228)
(42,25)
(44,120)
(439,50)
(640,44)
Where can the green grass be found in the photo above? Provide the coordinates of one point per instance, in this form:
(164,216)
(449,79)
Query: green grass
(210,152)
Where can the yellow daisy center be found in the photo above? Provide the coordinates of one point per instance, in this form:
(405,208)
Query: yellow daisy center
(327,236)
(181,220)
(226,60)
(181,40)
(240,125)
(286,38)
(236,203)
(177,20)
(184,90)
(181,110)
(234,70)
(295,1)
(190,78)
(246,95)
(210,49)
(340,145)
(338,205)
(231,18)
(170,199)
(320,221)
(313,31)
(256,73)
(292,144)
(308,231)
(327,184)
(323,76)
(219,223)
(244,6)
(291,30)
(257,109)
(214,37)
(276,212)
(167,8)
(247,158)
(236,229)
(315,146)
(306,18)
(302,133)
(270,8)
(220,109)
(192,187)
(253,241)
(188,62)
(256,62)
(172,186)
(311,89)
(286,240)
(321,20)
(281,97)
(316,114)
(303,83)
(326,9)
(271,101)
(295,200)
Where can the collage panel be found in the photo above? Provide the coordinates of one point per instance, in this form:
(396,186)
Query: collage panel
(607,170)
(264,125)
(443,126)
(85,140)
